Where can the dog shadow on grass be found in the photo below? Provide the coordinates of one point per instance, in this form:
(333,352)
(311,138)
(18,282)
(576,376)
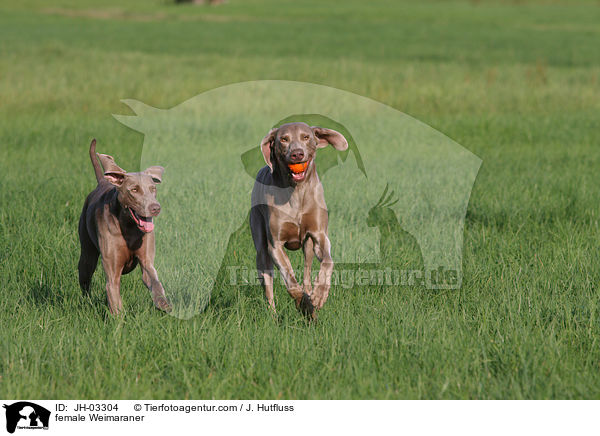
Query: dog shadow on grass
(44,295)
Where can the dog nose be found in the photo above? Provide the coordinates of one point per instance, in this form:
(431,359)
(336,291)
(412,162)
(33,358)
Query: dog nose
(297,155)
(154,209)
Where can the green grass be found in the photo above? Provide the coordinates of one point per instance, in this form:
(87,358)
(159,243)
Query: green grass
(517,83)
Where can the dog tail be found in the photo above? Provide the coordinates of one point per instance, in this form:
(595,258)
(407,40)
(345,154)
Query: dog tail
(95,163)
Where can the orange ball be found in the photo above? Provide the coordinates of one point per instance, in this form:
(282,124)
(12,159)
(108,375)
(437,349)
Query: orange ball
(299,167)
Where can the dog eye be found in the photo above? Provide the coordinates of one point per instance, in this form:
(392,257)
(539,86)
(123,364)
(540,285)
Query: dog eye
(305,137)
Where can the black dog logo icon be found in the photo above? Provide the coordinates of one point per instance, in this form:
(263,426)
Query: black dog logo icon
(30,413)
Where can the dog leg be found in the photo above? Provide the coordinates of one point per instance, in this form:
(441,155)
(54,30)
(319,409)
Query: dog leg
(88,262)
(88,259)
(264,266)
(323,281)
(303,301)
(308,260)
(150,279)
(264,262)
(145,255)
(113,291)
(113,261)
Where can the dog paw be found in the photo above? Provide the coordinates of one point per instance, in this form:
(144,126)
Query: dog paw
(305,306)
(320,295)
(272,310)
(162,304)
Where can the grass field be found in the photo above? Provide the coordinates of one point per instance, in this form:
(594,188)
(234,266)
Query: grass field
(515,82)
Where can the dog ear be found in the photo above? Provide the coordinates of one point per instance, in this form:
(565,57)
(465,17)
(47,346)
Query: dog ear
(328,136)
(155,172)
(112,172)
(265,146)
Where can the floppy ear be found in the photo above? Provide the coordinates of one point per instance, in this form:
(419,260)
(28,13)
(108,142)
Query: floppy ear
(112,172)
(328,136)
(265,147)
(155,172)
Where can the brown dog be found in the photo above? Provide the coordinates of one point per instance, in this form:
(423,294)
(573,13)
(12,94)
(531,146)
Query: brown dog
(116,221)
(288,210)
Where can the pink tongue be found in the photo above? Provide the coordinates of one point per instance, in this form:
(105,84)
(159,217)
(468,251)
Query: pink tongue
(147,226)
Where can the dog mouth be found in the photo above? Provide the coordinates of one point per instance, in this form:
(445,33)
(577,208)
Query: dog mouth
(298,170)
(144,223)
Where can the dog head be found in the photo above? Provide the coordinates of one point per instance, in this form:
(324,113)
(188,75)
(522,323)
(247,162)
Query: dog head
(290,149)
(136,191)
